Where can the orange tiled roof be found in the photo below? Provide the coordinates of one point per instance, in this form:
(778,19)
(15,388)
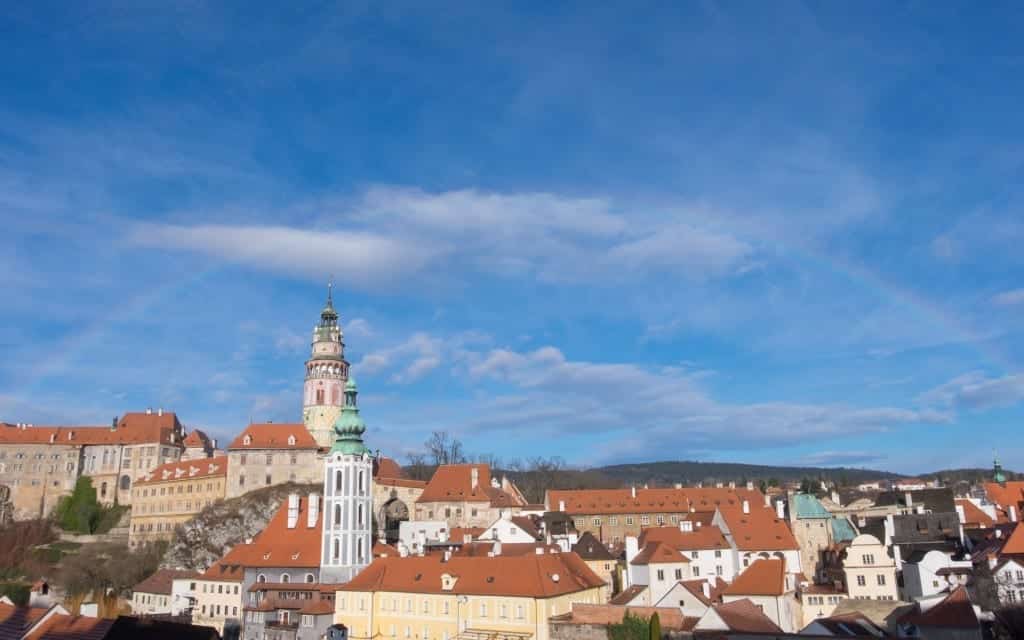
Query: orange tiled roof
(765,577)
(483,547)
(279,546)
(974,517)
(628,594)
(186,470)
(227,569)
(703,537)
(1015,543)
(14,620)
(1006,494)
(696,587)
(454,483)
(605,614)
(458,534)
(162,580)
(380,549)
(621,501)
(537,576)
(132,428)
(66,627)
(659,553)
(955,611)
(759,530)
(386,468)
(274,436)
(401,482)
(197,438)
(744,616)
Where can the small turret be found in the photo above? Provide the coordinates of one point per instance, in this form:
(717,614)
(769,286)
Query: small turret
(349,427)
(997,472)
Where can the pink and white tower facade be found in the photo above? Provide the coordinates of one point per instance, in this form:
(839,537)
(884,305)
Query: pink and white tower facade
(326,374)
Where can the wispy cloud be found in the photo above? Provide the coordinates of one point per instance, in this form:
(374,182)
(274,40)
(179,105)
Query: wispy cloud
(1009,298)
(975,390)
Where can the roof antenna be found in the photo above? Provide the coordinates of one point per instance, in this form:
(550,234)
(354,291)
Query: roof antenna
(330,287)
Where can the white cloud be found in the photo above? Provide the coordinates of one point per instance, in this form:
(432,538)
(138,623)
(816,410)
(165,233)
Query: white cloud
(1009,298)
(412,359)
(357,327)
(975,390)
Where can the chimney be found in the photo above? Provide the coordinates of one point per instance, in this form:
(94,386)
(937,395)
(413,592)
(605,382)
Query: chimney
(993,559)
(767,500)
(293,510)
(718,485)
(706,588)
(632,548)
(835,499)
(160,411)
(732,484)
(908,497)
(750,485)
(561,505)
(447,555)
(149,411)
(679,485)
(314,510)
(746,507)
(699,523)
(496,548)
(780,509)
(113,424)
(474,477)
(539,551)
(632,491)
(1013,513)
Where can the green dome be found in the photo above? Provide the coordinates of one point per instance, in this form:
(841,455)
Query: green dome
(349,427)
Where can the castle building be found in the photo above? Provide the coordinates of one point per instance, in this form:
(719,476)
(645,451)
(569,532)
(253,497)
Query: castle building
(348,497)
(326,374)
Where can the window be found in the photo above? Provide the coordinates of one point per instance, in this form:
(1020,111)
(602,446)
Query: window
(694,555)
(241,459)
(270,458)
(241,481)
(1020,576)
(881,580)
(718,570)
(660,520)
(629,520)
(861,581)
(645,519)
(220,588)
(294,459)
(483,609)
(285,577)
(696,570)
(679,573)
(519,612)
(310,578)
(261,578)
(268,478)
(579,522)
(718,553)
(307,621)
(661,574)
(867,558)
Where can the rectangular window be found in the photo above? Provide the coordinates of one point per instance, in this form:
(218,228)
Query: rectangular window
(861,581)
(579,522)
(718,553)
(241,459)
(268,478)
(270,458)
(613,521)
(597,522)
(629,520)
(693,555)
(679,574)
(881,580)
(718,570)
(696,570)
(661,574)
(483,609)
(241,481)
(660,520)
(645,519)
(307,621)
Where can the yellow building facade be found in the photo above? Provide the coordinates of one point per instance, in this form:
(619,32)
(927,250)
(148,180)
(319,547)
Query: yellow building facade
(173,494)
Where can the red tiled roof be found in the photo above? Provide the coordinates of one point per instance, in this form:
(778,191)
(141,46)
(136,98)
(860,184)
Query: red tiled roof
(759,530)
(621,501)
(527,524)
(605,614)
(454,483)
(1006,494)
(15,620)
(132,428)
(1015,543)
(628,594)
(696,587)
(483,547)
(66,627)
(704,537)
(186,470)
(279,546)
(974,517)
(197,438)
(955,611)
(659,553)
(161,581)
(531,575)
(401,482)
(458,534)
(381,549)
(765,577)
(743,616)
(589,547)
(227,569)
(386,468)
(274,436)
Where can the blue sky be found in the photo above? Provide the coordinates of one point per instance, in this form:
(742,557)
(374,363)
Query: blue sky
(784,233)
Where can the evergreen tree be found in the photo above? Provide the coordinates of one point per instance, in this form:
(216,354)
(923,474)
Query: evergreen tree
(80,512)
(655,627)
(632,627)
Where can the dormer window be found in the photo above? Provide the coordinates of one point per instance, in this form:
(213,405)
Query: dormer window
(247,440)
(291,441)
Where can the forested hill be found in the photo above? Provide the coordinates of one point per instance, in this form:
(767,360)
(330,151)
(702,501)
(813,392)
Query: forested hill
(690,472)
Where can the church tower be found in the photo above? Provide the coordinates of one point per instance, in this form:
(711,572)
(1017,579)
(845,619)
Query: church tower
(326,374)
(346,544)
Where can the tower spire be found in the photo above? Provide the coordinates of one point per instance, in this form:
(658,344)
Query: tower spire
(330,290)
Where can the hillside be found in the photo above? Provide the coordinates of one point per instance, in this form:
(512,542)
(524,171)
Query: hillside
(691,472)
(217,528)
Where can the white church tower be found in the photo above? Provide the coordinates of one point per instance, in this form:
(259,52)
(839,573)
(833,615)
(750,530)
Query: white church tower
(326,373)
(346,547)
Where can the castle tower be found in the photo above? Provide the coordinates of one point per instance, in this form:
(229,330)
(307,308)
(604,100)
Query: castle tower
(326,373)
(346,545)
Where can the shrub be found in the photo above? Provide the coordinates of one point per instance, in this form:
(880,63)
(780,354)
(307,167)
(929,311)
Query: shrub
(16,591)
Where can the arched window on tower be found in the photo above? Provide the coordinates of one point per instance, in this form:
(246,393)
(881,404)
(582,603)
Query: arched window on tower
(334,395)
(360,485)
(337,480)
(359,515)
(337,514)
(319,396)
(359,549)
(337,550)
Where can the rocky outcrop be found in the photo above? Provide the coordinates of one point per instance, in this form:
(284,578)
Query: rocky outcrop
(200,542)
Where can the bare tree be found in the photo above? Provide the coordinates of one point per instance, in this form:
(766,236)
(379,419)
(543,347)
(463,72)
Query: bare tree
(443,448)
(417,466)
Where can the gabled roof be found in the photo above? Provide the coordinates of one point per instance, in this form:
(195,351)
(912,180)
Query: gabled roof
(14,620)
(1006,494)
(531,575)
(703,537)
(622,501)
(806,506)
(759,530)
(161,581)
(381,549)
(273,436)
(590,548)
(454,483)
(67,627)
(659,553)
(605,614)
(629,594)
(696,587)
(955,612)
(528,526)
(850,625)
(197,438)
(974,517)
(386,468)
(743,616)
(765,577)
(1014,545)
(132,428)
(938,500)
(279,546)
(197,469)
(842,530)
